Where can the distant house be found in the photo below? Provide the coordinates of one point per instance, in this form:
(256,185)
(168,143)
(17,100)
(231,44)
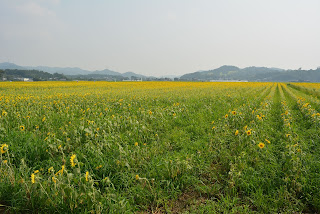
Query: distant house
(27,79)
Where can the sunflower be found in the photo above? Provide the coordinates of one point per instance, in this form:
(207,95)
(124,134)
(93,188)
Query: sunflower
(73,164)
(226,116)
(22,128)
(33,178)
(4,148)
(234,112)
(249,132)
(87,176)
(261,145)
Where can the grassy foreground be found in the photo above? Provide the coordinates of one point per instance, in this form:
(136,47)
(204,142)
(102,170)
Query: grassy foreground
(159,147)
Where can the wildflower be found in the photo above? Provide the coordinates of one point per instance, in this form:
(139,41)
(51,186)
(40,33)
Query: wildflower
(267,140)
(287,135)
(59,147)
(4,148)
(54,180)
(73,164)
(136,144)
(50,169)
(236,133)
(234,112)
(28,117)
(87,176)
(98,167)
(150,112)
(33,178)
(22,128)
(298,150)
(61,170)
(4,113)
(43,119)
(249,132)
(106,179)
(226,116)
(137,177)
(36,171)
(5,161)
(261,145)
(156,135)
(213,127)
(245,128)
(212,122)
(174,114)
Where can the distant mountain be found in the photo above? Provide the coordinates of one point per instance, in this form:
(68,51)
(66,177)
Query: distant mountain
(254,74)
(8,65)
(131,74)
(106,73)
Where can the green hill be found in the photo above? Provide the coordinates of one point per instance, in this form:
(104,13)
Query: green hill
(254,74)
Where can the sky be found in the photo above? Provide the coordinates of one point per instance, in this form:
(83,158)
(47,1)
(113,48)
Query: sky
(163,37)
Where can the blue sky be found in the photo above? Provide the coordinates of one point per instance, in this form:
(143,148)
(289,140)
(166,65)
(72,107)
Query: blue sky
(160,37)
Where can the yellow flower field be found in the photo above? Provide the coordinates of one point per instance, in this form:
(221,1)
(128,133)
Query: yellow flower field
(159,147)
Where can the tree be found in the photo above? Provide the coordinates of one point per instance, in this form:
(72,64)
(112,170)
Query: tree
(1,74)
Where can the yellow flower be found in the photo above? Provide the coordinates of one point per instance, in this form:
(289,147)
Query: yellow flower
(5,161)
(98,167)
(36,171)
(22,128)
(33,178)
(137,177)
(234,112)
(287,135)
(61,170)
(43,119)
(50,169)
(212,122)
(267,141)
(213,127)
(298,150)
(4,113)
(245,128)
(249,132)
(236,133)
(4,148)
(59,147)
(226,116)
(150,112)
(261,145)
(73,164)
(54,180)
(87,176)
(136,144)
